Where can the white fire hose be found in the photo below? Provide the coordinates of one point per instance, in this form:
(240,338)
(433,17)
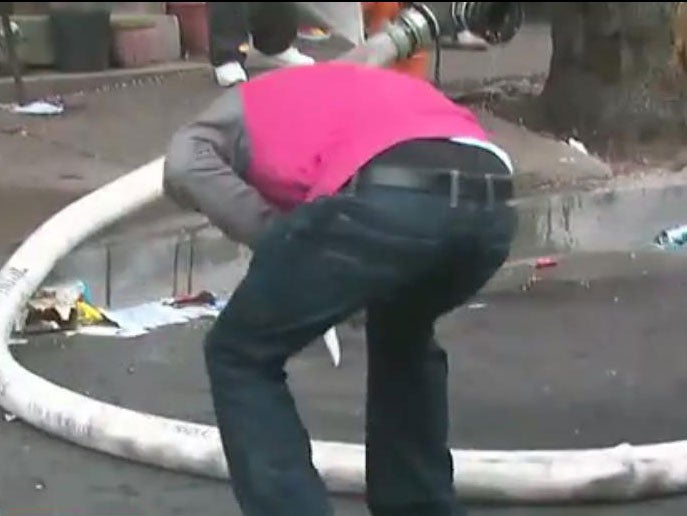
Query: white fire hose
(613,474)
(558,476)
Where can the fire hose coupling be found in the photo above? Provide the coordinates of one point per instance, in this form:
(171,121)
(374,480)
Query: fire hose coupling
(495,22)
(416,28)
(421,24)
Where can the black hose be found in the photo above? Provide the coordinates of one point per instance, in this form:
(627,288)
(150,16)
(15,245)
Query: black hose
(437,63)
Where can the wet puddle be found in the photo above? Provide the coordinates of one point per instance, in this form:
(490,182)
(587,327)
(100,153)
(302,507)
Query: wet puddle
(615,220)
(122,271)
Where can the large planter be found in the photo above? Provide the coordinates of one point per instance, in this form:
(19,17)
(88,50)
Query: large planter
(193,23)
(135,43)
(35,46)
(81,39)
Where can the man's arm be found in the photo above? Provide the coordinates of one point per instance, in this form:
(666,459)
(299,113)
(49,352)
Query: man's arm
(205,168)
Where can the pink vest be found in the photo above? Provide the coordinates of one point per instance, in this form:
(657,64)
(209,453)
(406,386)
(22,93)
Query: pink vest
(311,128)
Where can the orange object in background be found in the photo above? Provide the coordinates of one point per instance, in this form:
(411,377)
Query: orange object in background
(376,14)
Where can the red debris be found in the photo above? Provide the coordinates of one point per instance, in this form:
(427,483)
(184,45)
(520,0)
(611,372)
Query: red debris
(202,298)
(545,262)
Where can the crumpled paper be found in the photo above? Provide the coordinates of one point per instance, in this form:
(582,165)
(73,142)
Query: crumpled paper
(39,107)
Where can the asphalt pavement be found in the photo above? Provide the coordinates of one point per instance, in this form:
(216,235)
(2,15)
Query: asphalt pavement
(591,355)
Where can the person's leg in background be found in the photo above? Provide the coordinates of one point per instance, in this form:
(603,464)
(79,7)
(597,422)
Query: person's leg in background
(229,37)
(272,26)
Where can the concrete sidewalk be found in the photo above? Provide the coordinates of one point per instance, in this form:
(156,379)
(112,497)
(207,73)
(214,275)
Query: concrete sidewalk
(113,128)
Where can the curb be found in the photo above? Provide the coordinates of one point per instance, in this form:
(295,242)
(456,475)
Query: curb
(44,85)
(166,252)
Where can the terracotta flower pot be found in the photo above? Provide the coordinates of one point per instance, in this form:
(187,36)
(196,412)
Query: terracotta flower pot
(135,46)
(193,23)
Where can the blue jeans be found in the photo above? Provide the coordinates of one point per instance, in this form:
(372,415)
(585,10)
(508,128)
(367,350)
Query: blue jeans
(407,258)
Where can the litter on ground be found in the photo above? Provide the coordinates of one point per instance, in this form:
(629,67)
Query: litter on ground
(39,107)
(545,262)
(67,308)
(673,238)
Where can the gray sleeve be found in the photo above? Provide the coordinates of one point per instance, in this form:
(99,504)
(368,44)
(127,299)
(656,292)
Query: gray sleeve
(204,169)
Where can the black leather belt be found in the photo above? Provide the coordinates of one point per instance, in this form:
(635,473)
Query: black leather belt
(456,185)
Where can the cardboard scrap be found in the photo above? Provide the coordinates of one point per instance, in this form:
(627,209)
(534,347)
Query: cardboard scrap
(58,308)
